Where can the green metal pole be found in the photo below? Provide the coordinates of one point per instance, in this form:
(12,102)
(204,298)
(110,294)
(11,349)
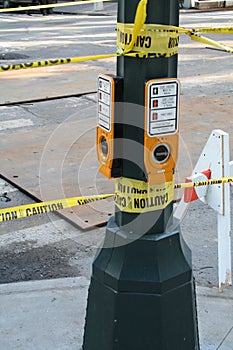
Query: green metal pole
(142,293)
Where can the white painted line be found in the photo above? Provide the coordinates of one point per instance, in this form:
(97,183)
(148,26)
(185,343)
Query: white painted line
(15,123)
(6,187)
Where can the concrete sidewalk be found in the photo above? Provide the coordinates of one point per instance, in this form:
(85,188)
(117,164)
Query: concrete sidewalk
(49,314)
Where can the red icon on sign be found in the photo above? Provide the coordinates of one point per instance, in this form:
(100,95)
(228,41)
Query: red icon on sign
(155,103)
(154,116)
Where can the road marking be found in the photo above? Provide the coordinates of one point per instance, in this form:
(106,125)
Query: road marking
(5,187)
(15,123)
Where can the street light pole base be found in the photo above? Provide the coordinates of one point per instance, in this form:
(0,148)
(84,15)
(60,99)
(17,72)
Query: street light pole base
(142,294)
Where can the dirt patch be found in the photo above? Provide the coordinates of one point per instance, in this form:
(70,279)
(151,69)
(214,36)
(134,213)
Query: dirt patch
(21,262)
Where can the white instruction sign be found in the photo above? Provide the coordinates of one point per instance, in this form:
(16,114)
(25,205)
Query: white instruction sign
(162,101)
(105,102)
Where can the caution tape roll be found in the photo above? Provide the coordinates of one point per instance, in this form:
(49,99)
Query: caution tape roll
(27,210)
(38,7)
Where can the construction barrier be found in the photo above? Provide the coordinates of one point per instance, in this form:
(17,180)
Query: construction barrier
(214,162)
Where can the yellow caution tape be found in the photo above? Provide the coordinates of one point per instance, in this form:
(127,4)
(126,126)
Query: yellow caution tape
(216,30)
(146,40)
(52,62)
(134,196)
(139,21)
(158,40)
(27,210)
(154,41)
(37,7)
(210,42)
(216,181)
(136,40)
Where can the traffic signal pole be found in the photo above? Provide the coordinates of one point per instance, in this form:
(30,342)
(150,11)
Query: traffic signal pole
(136,72)
(142,292)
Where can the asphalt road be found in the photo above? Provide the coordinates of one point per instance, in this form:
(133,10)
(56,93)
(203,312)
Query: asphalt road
(46,247)
(39,37)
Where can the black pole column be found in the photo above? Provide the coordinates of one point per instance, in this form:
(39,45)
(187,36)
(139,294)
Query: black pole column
(142,293)
(136,72)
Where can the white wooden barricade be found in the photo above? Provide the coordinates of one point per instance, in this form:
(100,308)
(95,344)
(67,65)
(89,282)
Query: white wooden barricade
(215,156)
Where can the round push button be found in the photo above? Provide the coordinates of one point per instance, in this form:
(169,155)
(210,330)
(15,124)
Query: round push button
(104,146)
(161,153)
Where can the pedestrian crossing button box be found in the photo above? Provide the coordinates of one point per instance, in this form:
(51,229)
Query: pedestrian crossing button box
(161,129)
(110,91)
